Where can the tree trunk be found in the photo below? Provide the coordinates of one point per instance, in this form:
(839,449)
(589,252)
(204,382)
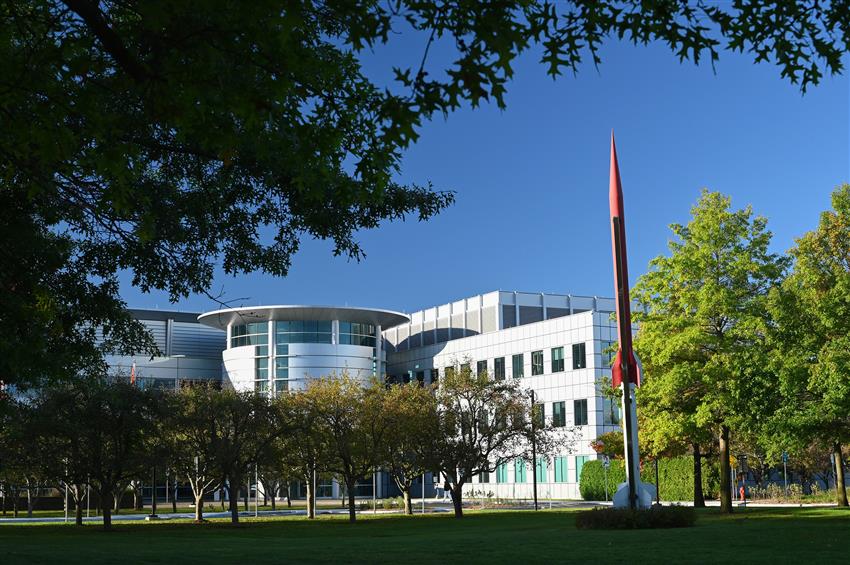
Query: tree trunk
(840,487)
(247,496)
(138,504)
(457,500)
(352,514)
(274,494)
(29,499)
(233,499)
(174,496)
(105,502)
(311,501)
(699,497)
(725,472)
(288,495)
(78,511)
(199,508)
(408,505)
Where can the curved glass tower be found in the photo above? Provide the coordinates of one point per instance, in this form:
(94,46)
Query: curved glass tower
(278,348)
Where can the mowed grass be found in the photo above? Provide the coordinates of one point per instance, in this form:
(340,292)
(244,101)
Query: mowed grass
(807,535)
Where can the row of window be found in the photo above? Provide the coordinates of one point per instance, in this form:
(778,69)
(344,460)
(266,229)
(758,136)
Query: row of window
(518,362)
(541,470)
(303,331)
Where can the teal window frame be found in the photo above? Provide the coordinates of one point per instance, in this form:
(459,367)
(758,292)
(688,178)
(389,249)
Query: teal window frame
(559,414)
(557,359)
(499,368)
(502,473)
(561,469)
(536,363)
(519,471)
(580,461)
(541,470)
(580,412)
(579,356)
(517,362)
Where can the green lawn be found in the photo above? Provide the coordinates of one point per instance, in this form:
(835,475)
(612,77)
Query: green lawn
(764,535)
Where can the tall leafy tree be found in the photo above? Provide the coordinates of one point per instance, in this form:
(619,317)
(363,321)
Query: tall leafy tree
(484,423)
(102,429)
(411,410)
(228,431)
(703,323)
(166,138)
(812,310)
(305,449)
(355,426)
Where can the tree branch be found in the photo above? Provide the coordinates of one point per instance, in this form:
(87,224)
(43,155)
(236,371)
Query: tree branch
(96,22)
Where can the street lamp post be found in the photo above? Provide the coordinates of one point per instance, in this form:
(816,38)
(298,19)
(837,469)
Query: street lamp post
(533,449)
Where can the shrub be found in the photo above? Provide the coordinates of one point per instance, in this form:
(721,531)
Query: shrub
(628,519)
(675,477)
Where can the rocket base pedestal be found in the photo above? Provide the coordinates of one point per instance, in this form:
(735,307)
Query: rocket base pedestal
(645,495)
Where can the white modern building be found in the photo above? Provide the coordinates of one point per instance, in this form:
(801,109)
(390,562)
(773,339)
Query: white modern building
(556,344)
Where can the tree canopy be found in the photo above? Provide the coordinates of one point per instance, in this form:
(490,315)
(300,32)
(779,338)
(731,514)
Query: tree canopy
(167,139)
(811,343)
(703,325)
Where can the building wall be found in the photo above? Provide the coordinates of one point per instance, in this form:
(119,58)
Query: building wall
(189,351)
(593,328)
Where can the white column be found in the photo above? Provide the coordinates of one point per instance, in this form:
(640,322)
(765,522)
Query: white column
(379,346)
(270,355)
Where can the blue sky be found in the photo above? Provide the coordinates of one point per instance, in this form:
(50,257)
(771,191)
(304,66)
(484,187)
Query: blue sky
(532,181)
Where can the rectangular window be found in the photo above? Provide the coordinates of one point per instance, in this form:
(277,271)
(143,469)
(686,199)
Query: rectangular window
(609,351)
(484,477)
(420,378)
(502,473)
(435,376)
(579,360)
(450,371)
(560,469)
(499,368)
(610,411)
(517,365)
(559,414)
(580,461)
(249,334)
(536,363)
(541,470)
(519,471)
(481,368)
(464,369)
(539,416)
(580,412)
(557,359)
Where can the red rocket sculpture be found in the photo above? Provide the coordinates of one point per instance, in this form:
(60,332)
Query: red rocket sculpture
(621,370)
(625,370)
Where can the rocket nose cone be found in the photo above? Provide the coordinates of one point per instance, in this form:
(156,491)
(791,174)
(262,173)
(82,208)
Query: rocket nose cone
(614,190)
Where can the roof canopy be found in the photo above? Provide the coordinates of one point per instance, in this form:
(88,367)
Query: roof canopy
(221,318)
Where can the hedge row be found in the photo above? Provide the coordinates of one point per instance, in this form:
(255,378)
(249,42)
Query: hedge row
(627,519)
(675,478)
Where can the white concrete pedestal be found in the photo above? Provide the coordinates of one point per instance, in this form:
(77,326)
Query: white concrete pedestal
(645,495)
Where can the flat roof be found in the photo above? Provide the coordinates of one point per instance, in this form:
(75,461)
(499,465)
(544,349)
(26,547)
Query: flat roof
(221,318)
